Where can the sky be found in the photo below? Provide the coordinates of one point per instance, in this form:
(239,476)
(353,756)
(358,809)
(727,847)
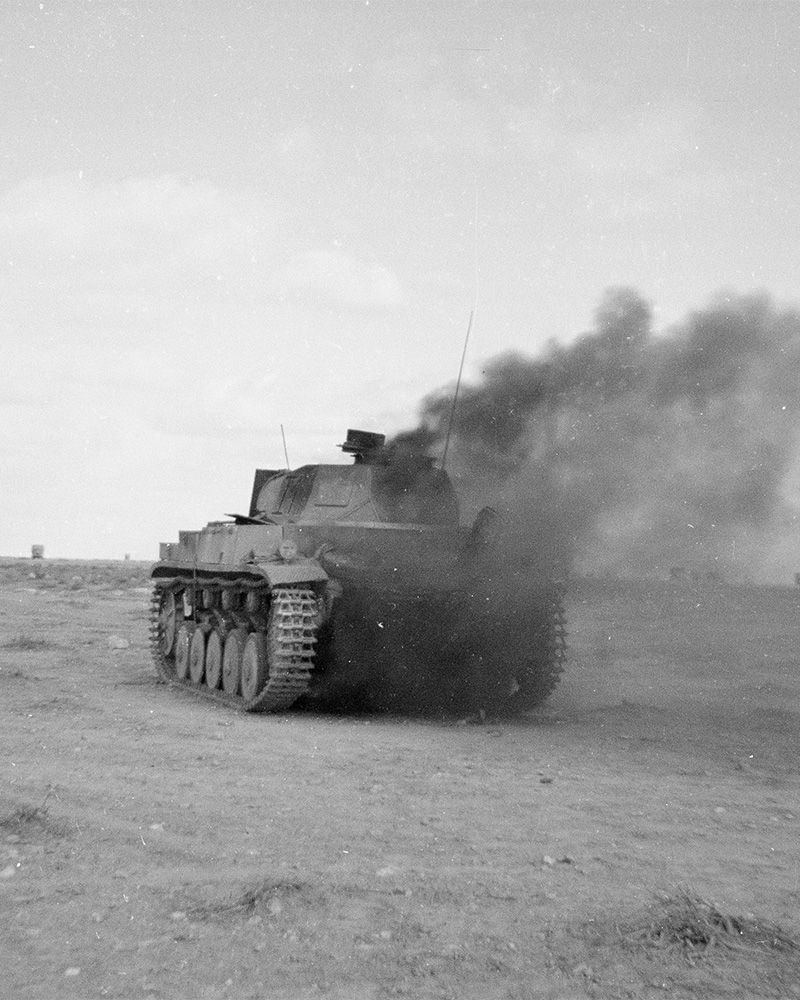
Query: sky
(221,219)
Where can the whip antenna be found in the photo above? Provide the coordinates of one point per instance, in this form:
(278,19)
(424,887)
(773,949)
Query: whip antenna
(285,452)
(469,329)
(455,394)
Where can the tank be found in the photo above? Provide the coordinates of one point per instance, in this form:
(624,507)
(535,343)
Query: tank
(354,584)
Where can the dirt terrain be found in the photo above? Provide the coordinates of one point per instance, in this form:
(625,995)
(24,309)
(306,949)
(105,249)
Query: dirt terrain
(638,837)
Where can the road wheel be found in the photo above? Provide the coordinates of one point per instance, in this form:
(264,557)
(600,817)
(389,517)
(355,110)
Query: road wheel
(214,660)
(232,661)
(255,667)
(182,650)
(197,657)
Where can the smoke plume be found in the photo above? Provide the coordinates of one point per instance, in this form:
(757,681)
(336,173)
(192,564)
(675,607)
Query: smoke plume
(632,452)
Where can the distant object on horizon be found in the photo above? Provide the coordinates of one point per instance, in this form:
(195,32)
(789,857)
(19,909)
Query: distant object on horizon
(37,551)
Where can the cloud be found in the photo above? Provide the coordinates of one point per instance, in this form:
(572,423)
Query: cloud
(333,280)
(66,232)
(658,141)
(644,163)
(154,253)
(69,215)
(652,165)
(426,110)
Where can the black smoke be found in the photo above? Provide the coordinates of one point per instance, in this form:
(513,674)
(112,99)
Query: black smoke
(631,451)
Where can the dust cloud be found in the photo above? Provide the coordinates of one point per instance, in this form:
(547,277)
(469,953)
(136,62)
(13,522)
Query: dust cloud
(634,453)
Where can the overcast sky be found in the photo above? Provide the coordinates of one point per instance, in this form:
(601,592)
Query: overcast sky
(220,217)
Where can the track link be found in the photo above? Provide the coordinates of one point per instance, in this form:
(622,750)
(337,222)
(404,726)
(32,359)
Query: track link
(286,617)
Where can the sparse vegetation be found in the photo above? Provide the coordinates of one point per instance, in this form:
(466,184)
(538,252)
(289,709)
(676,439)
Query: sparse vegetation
(74,574)
(681,943)
(691,927)
(27,815)
(263,892)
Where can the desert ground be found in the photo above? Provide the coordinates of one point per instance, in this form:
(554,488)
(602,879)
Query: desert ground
(638,836)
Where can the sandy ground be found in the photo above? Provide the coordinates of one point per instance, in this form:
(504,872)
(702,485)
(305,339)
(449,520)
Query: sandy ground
(155,845)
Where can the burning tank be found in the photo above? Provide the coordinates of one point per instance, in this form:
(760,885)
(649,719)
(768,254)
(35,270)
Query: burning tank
(353,583)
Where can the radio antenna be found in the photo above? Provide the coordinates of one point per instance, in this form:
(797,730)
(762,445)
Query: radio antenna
(285,452)
(469,330)
(455,394)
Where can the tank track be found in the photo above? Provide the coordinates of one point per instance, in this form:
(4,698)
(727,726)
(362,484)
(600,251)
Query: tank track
(285,620)
(541,674)
(556,639)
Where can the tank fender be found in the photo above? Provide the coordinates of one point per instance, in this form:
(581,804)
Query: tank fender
(282,573)
(336,562)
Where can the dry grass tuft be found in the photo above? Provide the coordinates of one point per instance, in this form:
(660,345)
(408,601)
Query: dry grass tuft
(263,892)
(26,816)
(691,927)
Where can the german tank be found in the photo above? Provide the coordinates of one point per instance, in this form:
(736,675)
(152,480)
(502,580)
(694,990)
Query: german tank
(352,582)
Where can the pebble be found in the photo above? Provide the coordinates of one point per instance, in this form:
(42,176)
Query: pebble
(452,951)
(117,642)
(178,915)
(73,970)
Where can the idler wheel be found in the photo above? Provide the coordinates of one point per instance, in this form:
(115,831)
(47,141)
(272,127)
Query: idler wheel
(183,650)
(197,656)
(255,666)
(168,621)
(214,660)
(232,661)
